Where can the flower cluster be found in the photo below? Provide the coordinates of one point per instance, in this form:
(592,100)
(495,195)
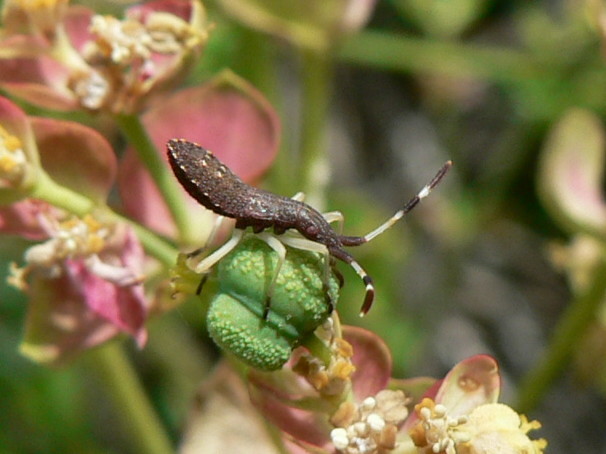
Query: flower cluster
(87,267)
(360,409)
(372,413)
(75,59)
(331,391)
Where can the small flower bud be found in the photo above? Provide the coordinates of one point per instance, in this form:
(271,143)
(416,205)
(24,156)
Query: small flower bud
(299,303)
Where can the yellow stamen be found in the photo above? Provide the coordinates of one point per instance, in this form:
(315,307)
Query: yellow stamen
(13,162)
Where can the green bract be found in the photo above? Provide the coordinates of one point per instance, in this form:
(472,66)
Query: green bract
(298,305)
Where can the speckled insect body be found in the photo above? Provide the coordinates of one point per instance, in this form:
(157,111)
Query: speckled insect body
(214,186)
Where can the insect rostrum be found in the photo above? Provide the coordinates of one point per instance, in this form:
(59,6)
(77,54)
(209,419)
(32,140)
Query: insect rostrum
(217,188)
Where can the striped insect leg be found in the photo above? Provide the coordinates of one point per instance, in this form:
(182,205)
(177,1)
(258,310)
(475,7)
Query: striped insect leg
(370,288)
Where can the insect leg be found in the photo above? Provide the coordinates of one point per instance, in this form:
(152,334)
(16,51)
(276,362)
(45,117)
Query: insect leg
(211,237)
(335,216)
(308,245)
(336,272)
(198,253)
(201,284)
(277,246)
(208,262)
(357,240)
(370,288)
(299,196)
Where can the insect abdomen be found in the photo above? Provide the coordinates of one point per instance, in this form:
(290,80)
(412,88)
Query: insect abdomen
(206,179)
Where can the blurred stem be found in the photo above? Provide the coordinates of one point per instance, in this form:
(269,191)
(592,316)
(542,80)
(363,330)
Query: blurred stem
(132,407)
(257,64)
(317,348)
(317,72)
(137,136)
(48,190)
(257,61)
(407,54)
(566,337)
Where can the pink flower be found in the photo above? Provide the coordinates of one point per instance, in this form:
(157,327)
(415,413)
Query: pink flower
(310,399)
(571,175)
(85,284)
(349,404)
(18,153)
(69,58)
(460,414)
(84,274)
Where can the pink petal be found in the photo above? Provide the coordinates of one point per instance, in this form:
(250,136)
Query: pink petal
(40,81)
(21,218)
(307,426)
(372,360)
(131,251)
(79,310)
(76,156)
(129,308)
(143,202)
(222,419)
(14,120)
(77,23)
(123,307)
(572,170)
(59,326)
(180,8)
(276,394)
(471,383)
(22,46)
(141,198)
(226,115)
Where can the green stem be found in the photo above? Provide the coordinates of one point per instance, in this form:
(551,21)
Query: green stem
(316,79)
(257,64)
(48,190)
(566,337)
(317,348)
(132,407)
(407,54)
(137,136)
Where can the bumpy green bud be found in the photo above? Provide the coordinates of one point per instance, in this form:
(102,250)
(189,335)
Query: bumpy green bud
(298,305)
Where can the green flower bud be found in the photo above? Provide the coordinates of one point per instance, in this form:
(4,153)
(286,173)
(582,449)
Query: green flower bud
(299,303)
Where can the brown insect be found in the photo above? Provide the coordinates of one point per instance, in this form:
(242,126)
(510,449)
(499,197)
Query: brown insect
(217,188)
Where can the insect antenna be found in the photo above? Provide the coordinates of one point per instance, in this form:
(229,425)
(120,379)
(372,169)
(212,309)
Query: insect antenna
(357,240)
